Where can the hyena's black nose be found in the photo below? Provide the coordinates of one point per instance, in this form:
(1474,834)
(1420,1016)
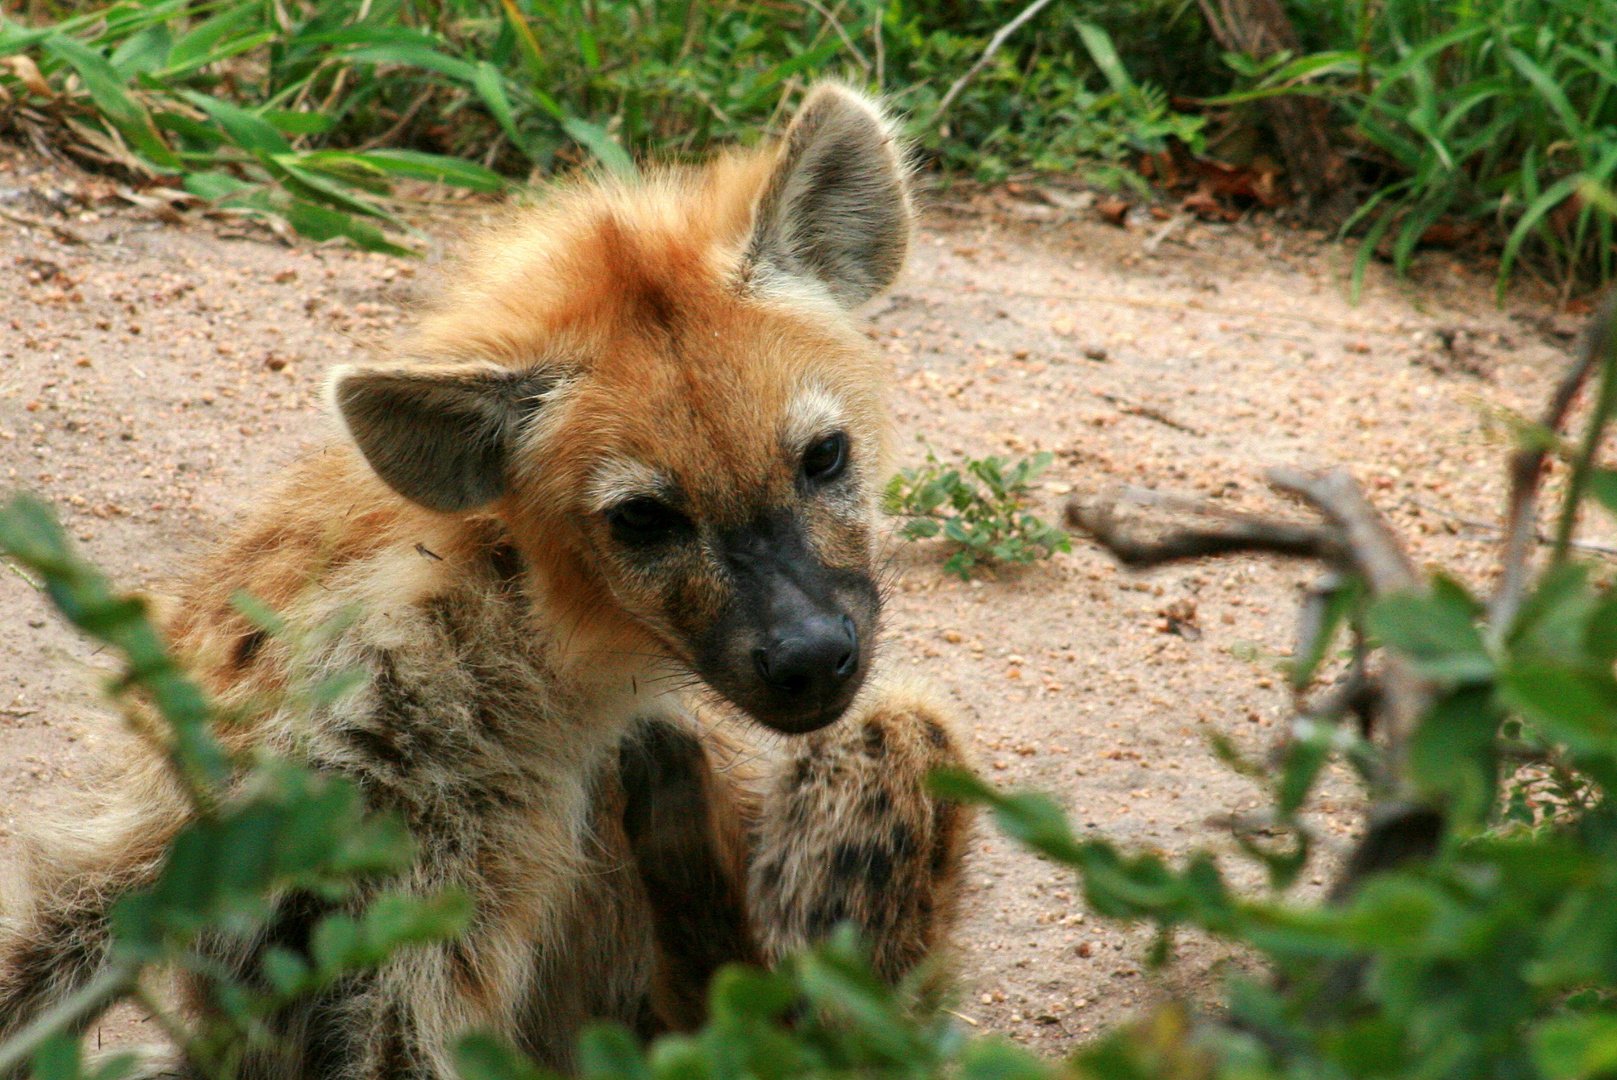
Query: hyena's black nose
(814,657)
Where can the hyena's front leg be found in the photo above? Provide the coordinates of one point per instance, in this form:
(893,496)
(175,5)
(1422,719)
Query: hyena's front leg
(686,827)
(849,832)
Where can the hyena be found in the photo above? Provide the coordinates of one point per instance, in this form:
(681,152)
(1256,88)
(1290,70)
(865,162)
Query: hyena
(626,469)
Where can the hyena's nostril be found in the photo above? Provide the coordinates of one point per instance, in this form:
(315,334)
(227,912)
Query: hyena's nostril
(813,657)
(849,663)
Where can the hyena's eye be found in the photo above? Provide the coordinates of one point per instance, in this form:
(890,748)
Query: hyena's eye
(643,521)
(826,458)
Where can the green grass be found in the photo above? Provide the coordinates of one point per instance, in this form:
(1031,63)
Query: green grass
(1501,114)
(311,110)
(275,107)
(1493,113)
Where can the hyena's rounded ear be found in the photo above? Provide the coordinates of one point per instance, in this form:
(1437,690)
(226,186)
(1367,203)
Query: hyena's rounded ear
(439,437)
(837,208)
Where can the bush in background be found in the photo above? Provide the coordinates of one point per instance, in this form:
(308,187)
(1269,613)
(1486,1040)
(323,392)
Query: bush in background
(1492,120)
(307,112)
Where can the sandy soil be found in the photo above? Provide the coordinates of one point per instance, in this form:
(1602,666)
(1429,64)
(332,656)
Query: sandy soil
(154,378)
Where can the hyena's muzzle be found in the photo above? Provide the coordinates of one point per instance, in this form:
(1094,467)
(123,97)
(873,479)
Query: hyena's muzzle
(795,640)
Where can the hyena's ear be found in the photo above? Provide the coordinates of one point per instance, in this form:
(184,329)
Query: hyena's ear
(837,208)
(440,438)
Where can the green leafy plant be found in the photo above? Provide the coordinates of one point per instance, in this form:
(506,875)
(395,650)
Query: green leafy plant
(258,829)
(979,506)
(1061,102)
(1497,113)
(819,1014)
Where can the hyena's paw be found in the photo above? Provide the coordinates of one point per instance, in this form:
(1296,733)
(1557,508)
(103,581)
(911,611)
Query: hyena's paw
(849,832)
(685,836)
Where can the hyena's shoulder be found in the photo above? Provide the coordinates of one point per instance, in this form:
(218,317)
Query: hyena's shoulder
(333,577)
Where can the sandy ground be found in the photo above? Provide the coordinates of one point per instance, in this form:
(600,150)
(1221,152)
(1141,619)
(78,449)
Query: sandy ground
(154,378)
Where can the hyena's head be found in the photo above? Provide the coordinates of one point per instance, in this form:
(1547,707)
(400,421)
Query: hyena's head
(660,390)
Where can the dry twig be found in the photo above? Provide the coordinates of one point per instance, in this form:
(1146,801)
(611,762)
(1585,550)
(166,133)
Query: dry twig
(1594,547)
(61,232)
(836,24)
(386,138)
(1145,412)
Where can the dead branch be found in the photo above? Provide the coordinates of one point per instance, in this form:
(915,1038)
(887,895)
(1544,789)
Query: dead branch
(1387,569)
(1358,692)
(1244,533)
(1352,538)
(1397,832)
(1594,547)
(1374,549)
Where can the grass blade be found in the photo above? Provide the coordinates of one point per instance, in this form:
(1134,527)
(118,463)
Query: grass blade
(415,55)
(248,130)
(1552,197)
(290,170)
(490,86)
(1550,91)
(438,167)
(599,142)
(1104,53)
(208,41)
(106,89)
(323,223)
(528,44)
